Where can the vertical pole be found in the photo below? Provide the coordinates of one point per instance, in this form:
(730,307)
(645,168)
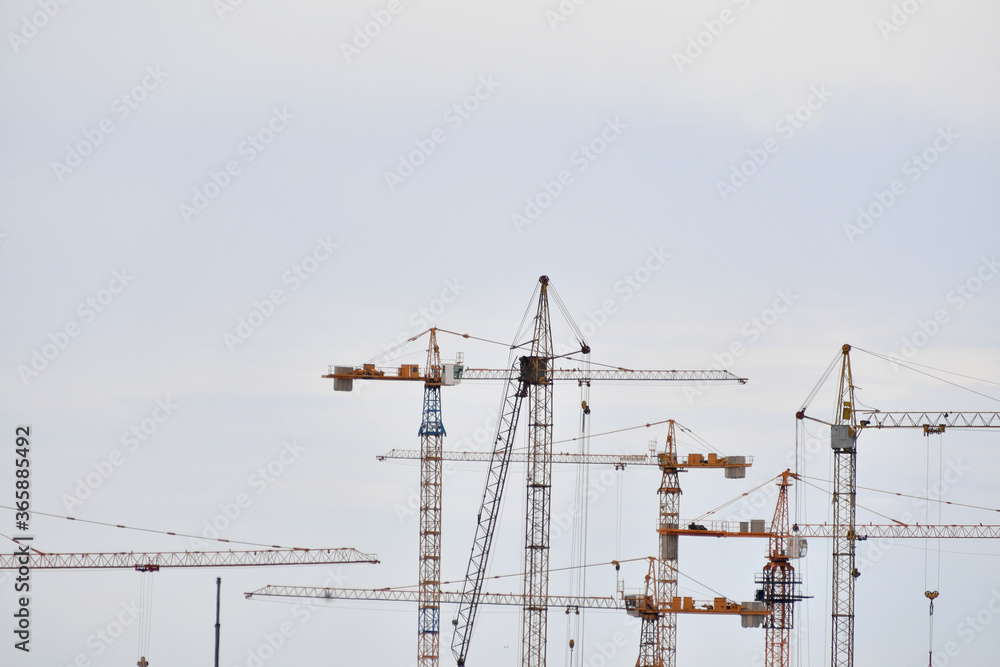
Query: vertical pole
(538,505)
(666,584)
(432,434)
(218,596)
(844,489)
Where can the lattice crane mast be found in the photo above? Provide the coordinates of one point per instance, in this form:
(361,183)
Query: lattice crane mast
(532,376)
(535,376)
(665,579)
(844,432)
(780,585)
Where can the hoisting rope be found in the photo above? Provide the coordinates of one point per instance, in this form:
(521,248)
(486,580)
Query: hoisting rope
(145,615)
(928,592)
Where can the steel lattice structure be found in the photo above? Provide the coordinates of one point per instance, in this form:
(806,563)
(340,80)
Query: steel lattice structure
(432,434)
(571,602)
(665,580)
(160,559)
(844,431)
(489,514)
(539,487)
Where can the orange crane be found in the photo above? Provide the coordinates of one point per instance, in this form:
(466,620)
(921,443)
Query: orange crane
(664,653)
(532,376)
(624,602)
(665,577)
(780,585)
(844,431)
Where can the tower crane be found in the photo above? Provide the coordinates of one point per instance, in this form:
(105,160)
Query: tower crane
(29,558)
(535,381)
(847,425)
(531,376)
(665,577)
(780,585)
(625,602)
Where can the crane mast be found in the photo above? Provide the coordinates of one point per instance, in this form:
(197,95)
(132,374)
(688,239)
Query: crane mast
(664,570)
(431,445)
(531,377)
(843,441)
(779,582)
(534,370)
(844,432)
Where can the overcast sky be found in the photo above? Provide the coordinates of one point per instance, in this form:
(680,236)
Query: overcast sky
(204,203)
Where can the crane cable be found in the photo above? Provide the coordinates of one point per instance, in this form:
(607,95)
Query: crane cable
(733,500)
(146,530)
(910,365)
(575,623)
(145,614)
(931,595)
(902,495)
(822,379)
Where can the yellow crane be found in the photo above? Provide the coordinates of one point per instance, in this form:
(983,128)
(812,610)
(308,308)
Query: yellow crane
(780,585)
(847,424)
(658,645)
(532,376)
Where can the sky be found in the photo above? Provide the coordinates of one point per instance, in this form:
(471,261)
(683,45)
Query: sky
(203,204)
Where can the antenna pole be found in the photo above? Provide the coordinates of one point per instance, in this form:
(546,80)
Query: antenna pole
(218,595)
